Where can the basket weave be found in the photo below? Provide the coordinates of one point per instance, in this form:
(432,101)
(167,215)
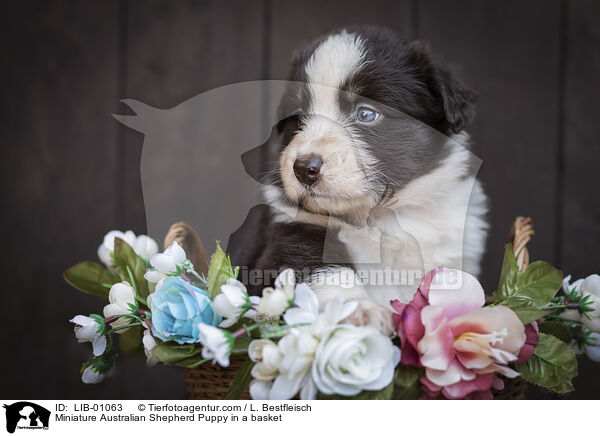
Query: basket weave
(514,389)
(211,382)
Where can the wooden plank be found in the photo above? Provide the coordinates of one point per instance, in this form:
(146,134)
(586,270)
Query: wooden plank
(294,24)
(581,196)
(580,206)
(509,53)
(176,51)
(58,183)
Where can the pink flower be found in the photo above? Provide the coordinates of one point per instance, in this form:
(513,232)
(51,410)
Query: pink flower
(531,340)
(461,344)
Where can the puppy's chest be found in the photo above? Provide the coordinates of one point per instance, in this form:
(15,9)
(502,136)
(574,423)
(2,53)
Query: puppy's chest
(406,243)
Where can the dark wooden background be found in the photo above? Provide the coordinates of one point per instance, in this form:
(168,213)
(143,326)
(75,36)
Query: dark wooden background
(70,172)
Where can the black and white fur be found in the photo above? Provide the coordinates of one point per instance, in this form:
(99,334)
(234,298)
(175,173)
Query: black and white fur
(407,174)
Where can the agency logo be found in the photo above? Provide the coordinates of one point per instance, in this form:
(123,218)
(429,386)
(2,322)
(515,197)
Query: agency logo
(26,415)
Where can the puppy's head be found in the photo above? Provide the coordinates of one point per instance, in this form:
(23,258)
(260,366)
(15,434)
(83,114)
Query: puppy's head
(365,114)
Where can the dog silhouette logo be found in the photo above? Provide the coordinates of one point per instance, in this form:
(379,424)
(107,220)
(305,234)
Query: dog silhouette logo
(26,415)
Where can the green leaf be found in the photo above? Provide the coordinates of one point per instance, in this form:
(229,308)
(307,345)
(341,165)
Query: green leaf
(241,344)
(100,320)
(191,362)
(92,278)
(509,274)
(101,364)
(407,385)
(541,277)
(130,342)
(524,309)
(533,290)
(240,381)
(552,366)
(383,394)
(219,271)
(557,329)
(131,267)
(172,353)
(564,388)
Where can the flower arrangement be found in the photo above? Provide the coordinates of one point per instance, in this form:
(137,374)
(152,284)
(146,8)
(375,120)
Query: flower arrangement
(451,342)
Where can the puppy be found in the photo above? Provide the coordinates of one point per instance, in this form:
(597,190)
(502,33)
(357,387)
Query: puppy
(370,171)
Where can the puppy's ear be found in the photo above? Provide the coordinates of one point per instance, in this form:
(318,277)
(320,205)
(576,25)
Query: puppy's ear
(456,99)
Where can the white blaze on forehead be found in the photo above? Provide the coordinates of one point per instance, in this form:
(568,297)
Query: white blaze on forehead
(333,61)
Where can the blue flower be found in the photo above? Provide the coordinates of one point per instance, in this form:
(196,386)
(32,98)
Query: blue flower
(178,307)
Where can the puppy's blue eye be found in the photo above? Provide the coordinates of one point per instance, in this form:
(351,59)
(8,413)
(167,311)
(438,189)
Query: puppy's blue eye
(366,115)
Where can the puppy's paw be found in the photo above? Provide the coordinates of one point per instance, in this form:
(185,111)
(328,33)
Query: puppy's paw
(369,313)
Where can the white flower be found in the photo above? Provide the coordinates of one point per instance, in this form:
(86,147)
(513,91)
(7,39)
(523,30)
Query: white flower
(334,312)
(267,356)
(143,245)
(572,314)
(154,277)
(273,302)
(88,329)
(233,302)
(276,300)
(107,247)
(90,375)
(306,311)
(121,296)
(590,287)
(593,351)
(298,351)
(306,307)
(259,390)
(96,370)
(149,344)
(576,348)
(290,364)
(216,344)
(299,346)
(567,287)
(351,359)
(168,263)
(171,261)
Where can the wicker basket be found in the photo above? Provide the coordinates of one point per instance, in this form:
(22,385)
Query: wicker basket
(520,234)
(514,389)
(211,382)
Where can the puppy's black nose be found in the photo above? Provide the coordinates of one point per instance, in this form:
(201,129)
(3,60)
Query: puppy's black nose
(307,169)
